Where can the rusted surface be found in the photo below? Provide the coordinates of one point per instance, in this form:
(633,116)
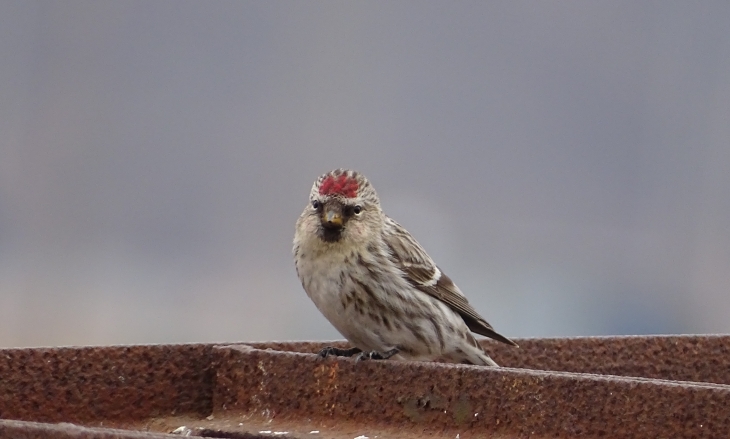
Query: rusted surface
(35,430)
(703,358)
(110,383)
(617,387)
(684,358)
(468,400)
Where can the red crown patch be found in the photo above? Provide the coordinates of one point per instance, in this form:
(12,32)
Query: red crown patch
(340,185)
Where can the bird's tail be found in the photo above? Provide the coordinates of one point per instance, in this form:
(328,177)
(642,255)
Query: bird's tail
(487,361)
(476,354)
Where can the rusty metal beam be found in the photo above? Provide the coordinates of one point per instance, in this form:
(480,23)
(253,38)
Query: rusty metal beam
(618,387)
(88,384)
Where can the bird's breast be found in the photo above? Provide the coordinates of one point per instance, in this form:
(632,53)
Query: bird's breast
(322,274)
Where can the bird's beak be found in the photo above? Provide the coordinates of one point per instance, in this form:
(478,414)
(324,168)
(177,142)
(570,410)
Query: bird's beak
(332,219)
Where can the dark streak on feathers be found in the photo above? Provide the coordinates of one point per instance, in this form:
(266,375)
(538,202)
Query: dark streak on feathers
(419,269)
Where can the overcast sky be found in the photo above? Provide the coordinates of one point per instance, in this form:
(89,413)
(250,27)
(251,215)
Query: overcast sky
(566,163)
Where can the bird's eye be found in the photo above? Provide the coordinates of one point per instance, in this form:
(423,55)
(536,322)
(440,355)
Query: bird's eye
(357,210)
(316,204)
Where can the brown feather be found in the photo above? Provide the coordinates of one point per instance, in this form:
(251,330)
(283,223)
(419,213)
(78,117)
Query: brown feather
(420,269)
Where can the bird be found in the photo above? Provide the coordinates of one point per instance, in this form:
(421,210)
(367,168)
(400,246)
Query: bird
(376,284)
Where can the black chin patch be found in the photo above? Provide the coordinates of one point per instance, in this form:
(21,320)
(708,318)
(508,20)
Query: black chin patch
(330,234)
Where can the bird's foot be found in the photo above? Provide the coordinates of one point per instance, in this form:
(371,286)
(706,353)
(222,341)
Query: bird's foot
(331,351)
(374,355)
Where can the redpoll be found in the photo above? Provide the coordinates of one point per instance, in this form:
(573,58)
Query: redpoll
(376,284)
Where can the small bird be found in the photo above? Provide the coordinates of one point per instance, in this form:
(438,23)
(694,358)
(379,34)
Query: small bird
(376,284)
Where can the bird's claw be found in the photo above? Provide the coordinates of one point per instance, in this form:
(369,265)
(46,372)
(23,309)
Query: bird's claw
(337,352)
(375,355)
(372,355)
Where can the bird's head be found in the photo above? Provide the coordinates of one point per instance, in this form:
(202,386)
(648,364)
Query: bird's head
(343,206)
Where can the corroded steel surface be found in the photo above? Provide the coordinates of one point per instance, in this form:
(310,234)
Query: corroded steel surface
(104,383)
(618,387)
(36,430)
(703,358)
(684,358)
(468,400)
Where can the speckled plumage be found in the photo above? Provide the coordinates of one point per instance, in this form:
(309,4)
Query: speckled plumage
(373,281)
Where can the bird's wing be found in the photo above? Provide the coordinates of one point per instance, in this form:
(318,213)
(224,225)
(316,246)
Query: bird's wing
(423,274)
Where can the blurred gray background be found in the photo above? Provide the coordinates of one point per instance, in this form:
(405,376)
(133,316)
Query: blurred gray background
(567,163)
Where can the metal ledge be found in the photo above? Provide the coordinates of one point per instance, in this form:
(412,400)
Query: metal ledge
(618,387)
